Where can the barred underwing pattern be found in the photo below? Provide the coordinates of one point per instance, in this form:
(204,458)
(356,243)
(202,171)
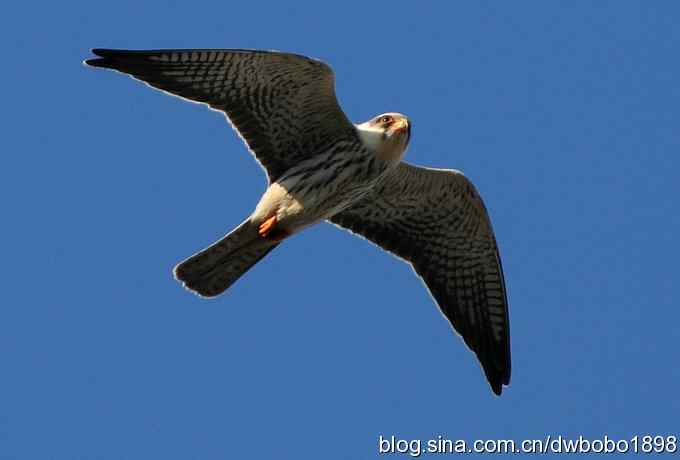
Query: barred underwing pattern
(436,221)
(283,105)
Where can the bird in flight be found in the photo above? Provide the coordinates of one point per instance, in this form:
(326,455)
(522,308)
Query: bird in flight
(322,167)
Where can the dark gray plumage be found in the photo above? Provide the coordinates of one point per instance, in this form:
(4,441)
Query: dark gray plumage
(321,166)
(435,220)
(283,105)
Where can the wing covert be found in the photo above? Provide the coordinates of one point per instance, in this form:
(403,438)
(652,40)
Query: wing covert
(283,105)
(436,221)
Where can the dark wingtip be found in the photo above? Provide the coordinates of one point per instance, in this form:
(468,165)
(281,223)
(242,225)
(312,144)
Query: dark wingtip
(106,57)
(106,52)
(497,388)
(497,379)
(100,61)
(96,62)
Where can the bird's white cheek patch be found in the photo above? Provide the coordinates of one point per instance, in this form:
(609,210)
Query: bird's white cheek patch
(387,148)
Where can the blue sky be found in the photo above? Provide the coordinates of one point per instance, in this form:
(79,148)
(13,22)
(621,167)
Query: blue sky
(564,114)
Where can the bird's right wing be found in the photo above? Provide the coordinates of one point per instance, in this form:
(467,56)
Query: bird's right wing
(435,220)
(283,105)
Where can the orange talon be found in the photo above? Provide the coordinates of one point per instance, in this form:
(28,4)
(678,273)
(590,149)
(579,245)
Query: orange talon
(271,231)
(267,227)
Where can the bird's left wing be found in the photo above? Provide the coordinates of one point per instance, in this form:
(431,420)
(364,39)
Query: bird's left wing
(283,105)
(436,221)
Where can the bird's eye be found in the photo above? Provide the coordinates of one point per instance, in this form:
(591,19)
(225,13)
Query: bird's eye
(385,119)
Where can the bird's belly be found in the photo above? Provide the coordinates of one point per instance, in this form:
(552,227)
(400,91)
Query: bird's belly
(278,201)
(297,207)
(318,188)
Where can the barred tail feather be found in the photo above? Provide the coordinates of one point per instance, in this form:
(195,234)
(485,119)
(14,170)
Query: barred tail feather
(213,270)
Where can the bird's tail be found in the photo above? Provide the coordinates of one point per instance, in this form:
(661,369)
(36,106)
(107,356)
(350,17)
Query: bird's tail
(211,271)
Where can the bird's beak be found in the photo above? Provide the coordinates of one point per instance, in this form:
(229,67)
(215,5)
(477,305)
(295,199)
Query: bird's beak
(401,127)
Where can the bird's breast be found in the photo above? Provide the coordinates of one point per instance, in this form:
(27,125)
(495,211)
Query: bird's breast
(319,188)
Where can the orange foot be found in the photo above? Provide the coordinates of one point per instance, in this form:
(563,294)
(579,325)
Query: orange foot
(267,227)
(269,230)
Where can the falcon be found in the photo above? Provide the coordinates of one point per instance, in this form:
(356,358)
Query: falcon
(322,167)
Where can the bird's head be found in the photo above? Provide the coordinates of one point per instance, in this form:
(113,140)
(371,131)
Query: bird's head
(387,135)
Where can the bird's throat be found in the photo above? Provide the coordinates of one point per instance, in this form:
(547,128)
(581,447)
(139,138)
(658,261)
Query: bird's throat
(387,148)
